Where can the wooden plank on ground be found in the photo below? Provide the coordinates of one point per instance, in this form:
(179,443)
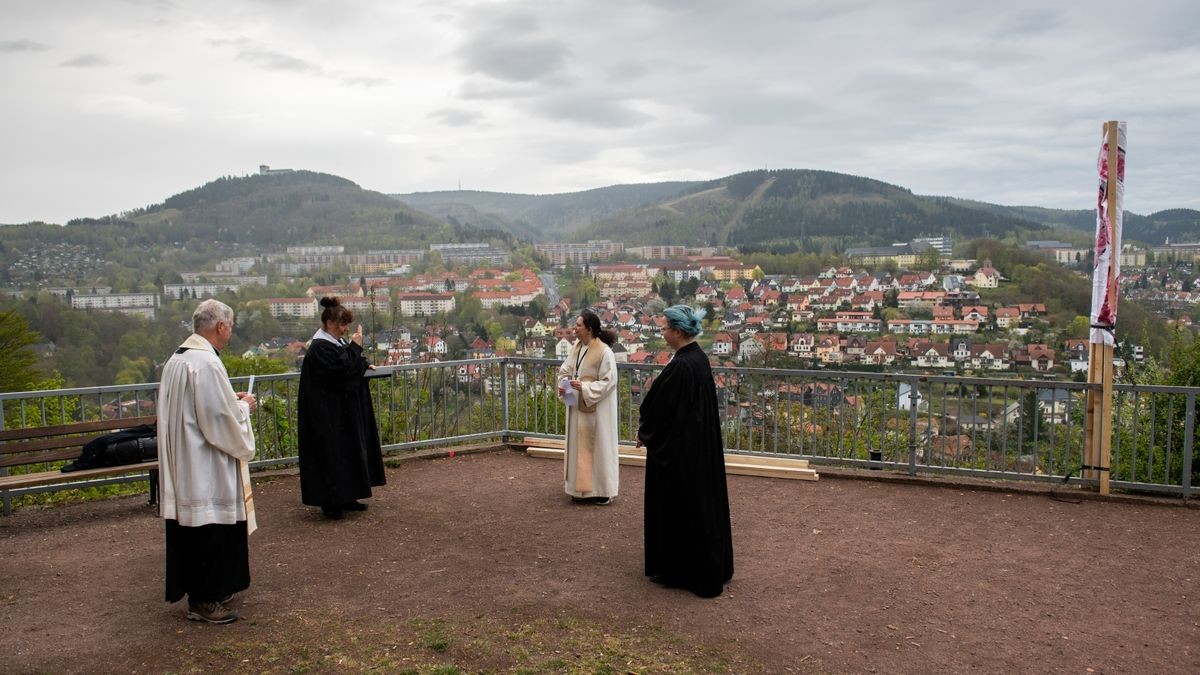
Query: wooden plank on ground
(735,464)
(770,460)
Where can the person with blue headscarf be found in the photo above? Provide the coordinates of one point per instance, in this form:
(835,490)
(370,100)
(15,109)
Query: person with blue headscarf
(688,538)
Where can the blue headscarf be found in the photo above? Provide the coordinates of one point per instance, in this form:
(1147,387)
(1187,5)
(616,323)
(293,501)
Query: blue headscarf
(684,318)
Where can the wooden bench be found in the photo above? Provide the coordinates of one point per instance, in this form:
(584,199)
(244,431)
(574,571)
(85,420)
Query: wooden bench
(735,463)
(42,445)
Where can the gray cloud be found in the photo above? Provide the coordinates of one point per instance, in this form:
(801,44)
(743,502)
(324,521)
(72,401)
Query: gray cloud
(358,81)
(86,61)
(627,71)
(13,46)
(515,60)
(456,117)
(1029,23)
(489,90)
(1000,102)
(592,111)
(273,60)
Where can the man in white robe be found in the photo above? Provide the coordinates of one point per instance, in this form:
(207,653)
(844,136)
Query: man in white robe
(204,436)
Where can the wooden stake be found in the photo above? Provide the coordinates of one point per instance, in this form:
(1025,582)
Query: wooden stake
(1090,446)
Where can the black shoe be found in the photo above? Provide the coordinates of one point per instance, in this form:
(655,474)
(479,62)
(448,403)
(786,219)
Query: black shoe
(354,506)
(600,501)
(579,500)
(332,512)
(211,612)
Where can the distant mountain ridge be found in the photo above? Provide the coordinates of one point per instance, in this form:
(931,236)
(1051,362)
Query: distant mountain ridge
(539,217)
(778,210)
(298,207)
(1177,225)
(226,217)
(261,210)
(791,209)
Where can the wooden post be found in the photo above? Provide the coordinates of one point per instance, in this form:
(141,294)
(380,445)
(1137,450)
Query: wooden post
(1100,408)
(1098,428)
(1090,446)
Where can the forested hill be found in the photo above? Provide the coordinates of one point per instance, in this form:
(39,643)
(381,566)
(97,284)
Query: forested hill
(1178,225)
(540,217)
(250,214)
(785,210)
(782,210)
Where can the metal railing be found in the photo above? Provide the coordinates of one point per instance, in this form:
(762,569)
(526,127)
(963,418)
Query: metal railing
(990,427)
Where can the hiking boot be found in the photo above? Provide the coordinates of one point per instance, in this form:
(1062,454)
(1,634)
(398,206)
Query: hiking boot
(211,612)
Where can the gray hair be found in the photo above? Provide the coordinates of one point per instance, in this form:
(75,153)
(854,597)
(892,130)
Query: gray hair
(209,313)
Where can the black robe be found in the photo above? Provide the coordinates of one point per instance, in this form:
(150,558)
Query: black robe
(688,539)
(208,562)
(340,457)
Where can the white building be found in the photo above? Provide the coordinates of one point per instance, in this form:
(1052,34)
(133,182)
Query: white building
(362,306)
(562,349)
(236,265)
(561,253)
(141,304)
(210,288)
(300,308)
(425,304)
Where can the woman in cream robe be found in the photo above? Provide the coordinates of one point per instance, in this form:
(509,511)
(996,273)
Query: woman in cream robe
(590,467)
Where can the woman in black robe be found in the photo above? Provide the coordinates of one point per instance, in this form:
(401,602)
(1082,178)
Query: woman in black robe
(688,539)
(340,456)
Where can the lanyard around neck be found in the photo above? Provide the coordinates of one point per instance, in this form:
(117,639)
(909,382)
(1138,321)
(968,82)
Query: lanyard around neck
(579,360)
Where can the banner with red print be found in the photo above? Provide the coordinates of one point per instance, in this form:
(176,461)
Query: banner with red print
(1108,243)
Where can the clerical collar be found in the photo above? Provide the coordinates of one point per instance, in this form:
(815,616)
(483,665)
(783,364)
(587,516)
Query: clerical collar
(195,341)
(184,349)
(322,334)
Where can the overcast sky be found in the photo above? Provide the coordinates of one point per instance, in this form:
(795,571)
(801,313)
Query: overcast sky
(111,105)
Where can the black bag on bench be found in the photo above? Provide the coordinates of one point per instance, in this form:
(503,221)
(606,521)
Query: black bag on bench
(128,446)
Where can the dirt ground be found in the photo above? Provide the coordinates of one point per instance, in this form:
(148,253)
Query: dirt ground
(480,563)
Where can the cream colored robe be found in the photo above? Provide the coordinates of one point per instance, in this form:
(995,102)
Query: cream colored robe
(590,467)
(203,430)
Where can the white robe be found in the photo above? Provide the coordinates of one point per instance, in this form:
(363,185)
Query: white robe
(203,430)
(592,471)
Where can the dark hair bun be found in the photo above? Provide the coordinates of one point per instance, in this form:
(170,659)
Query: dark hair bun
(329,301)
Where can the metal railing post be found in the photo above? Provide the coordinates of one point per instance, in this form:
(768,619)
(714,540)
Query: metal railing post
(504,394)
(1188,437)
(912,426)
(6,499)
